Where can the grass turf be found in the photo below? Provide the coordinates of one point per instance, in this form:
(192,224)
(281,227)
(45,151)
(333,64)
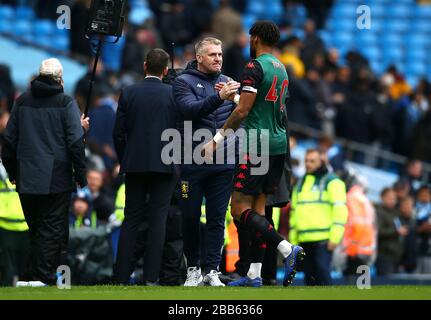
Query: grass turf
(210,293)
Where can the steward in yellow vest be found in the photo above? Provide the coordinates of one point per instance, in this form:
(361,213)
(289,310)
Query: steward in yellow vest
(317,218)
(14,239)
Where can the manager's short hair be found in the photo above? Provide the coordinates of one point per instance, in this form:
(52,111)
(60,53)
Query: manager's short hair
(199,46)
(157,60)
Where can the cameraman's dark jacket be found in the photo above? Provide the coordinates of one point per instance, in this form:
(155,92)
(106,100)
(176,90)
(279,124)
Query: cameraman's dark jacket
(44,141)
(199,102)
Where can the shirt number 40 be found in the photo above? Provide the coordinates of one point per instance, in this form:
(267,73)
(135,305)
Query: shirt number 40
(272,93)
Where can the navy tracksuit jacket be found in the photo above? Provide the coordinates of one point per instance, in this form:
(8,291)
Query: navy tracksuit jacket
(198,101)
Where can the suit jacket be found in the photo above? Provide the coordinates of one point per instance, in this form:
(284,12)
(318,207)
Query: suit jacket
(144,111)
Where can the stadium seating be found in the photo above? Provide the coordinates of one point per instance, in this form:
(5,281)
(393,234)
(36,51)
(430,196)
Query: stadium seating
(44,28)
(400,33)
(25,61)
(6,13)
(24,13)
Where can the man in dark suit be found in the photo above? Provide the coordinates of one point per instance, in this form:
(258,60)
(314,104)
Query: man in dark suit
(145,110)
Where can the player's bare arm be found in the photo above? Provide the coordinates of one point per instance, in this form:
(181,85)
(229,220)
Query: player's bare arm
(246,102)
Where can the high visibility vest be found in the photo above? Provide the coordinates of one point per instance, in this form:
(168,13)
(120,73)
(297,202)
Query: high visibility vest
(120,203)
(81,221)
(11,215)
(203,218)
(319,210)
(360,234)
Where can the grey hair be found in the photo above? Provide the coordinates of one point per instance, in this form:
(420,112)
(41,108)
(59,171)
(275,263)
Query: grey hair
(208,40)
(51,68)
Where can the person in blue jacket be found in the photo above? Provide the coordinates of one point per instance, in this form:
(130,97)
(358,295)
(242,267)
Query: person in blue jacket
(202,106)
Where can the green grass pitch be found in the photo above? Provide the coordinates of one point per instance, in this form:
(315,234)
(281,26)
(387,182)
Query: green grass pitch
(211,293)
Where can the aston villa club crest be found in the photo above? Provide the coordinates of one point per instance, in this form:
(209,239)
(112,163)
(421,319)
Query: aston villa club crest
(184,189)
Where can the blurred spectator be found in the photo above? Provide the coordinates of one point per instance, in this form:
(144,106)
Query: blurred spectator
(4,118)
(290,56)
(80,212)
(82,86)
(112,53)
(227,25)
(101,202)
(139,41)
(102,115)
(239,5)
(7,89)
(355,61)
(318,10)
(412,114)
(332,58)
(382,123)
(414,175)
(302,102)
(354,115)
(325,105)
(79,44)
(173,24)
(333,152)
(360,234)
(233,59)
(400,88)
(407,219)
(292,13)
(198,14)
(421,148)
(389,245)
(313,45)
(402,189)
(296,158)
(423,217)
(3,101)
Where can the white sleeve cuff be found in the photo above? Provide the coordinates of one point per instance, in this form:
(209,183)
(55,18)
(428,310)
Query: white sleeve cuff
(249,89)
(218,138)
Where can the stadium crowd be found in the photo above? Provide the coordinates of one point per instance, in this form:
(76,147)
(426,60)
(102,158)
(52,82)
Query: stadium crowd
(339,96)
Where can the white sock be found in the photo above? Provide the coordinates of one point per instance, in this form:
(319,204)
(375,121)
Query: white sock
(285,248)
(254,270)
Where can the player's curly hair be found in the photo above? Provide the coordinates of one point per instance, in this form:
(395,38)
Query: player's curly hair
(267,31)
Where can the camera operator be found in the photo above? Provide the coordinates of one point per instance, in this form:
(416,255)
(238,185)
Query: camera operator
(43,150)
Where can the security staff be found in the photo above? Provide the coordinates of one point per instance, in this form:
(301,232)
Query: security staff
(14,239)
(317,217)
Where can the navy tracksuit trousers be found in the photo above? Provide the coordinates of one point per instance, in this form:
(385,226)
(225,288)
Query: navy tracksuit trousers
(214,182)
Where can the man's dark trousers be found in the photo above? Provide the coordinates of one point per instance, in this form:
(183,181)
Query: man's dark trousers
(213,182)
(159,187)
(317,263)
(47,217)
